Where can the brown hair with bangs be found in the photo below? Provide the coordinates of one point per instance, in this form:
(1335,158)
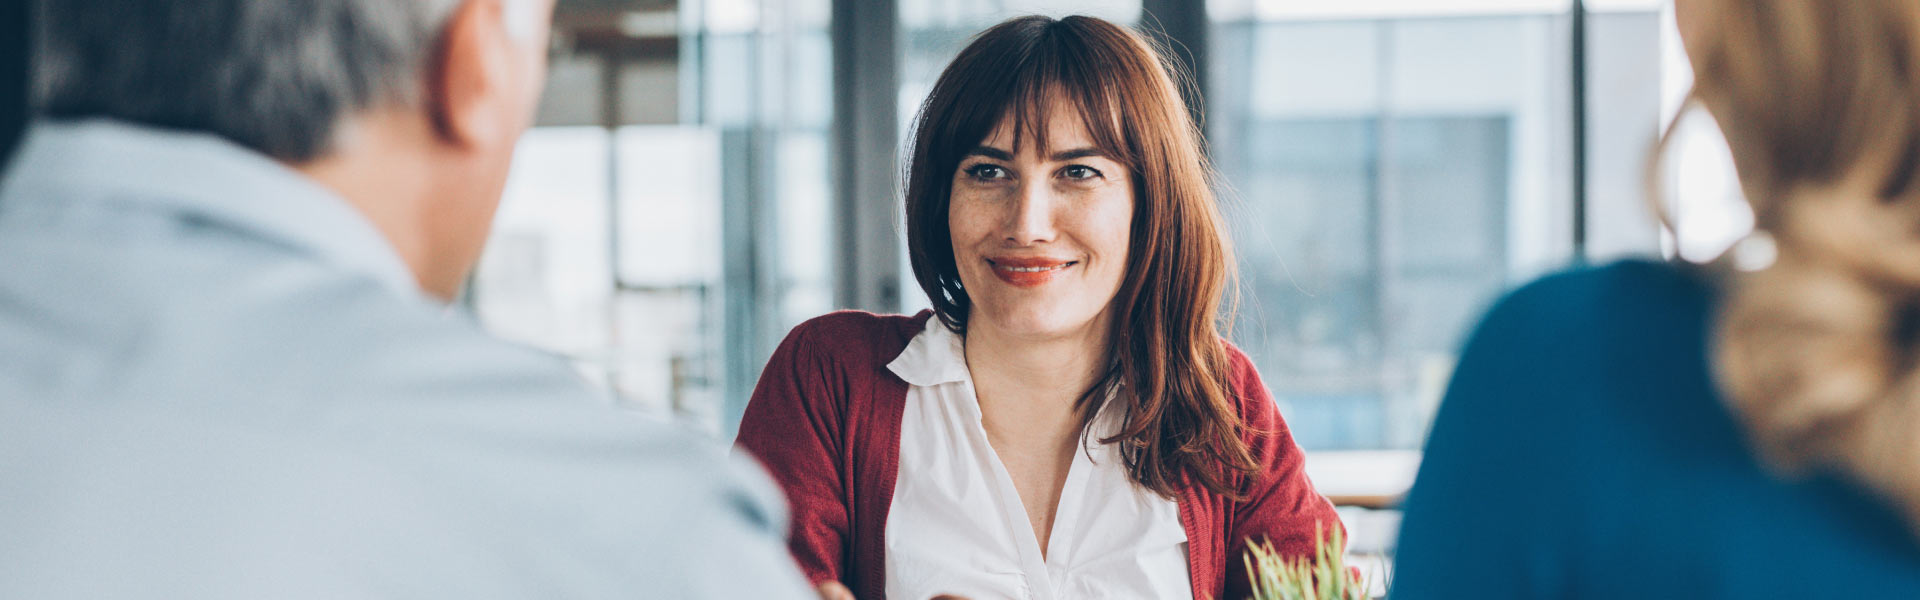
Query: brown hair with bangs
(1182,424)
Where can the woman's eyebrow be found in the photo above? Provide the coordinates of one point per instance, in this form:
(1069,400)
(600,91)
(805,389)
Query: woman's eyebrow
(991,152)
(1066,155)
(1063,155)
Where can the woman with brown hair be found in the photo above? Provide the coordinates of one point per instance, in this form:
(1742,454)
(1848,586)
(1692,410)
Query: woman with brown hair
(1067,421)
(1658,430)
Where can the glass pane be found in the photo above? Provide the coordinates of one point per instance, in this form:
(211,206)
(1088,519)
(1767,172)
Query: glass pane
(543,279)
(806,284)
(709,186)
(669,190)
(1295,10)
(1389,175)
(980,14)
(1394,166)
(765,86)
(1624,99)
(666,351)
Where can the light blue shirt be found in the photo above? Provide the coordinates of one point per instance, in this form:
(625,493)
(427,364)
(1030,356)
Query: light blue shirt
(218,381)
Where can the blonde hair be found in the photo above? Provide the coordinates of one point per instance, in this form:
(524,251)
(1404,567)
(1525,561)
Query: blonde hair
(1820,104)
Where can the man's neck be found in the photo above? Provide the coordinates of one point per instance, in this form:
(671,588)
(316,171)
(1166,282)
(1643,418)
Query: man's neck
(379,170)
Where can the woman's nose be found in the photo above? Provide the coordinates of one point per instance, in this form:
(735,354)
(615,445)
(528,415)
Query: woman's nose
(1031,221)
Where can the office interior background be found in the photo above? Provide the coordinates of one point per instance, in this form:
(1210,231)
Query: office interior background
(706,174)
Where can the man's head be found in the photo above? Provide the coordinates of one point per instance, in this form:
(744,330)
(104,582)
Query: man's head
(408,108)
(13,76)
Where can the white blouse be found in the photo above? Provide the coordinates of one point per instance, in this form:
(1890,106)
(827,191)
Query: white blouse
(957,525)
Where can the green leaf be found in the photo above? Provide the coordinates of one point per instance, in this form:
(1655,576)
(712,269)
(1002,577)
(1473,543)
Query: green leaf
(1324,575)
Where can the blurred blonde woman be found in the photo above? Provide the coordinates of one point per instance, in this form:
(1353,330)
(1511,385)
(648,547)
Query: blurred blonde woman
(1660,430)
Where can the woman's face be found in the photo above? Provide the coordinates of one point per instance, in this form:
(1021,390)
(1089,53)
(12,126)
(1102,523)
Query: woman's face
(1040,241)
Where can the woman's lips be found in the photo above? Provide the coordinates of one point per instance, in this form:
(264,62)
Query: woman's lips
(1028,272)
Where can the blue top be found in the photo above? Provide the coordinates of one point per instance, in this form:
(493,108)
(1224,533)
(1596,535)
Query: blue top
(1583,452)
(218,381)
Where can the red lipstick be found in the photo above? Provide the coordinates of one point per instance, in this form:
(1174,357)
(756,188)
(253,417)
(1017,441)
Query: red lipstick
(1028,271)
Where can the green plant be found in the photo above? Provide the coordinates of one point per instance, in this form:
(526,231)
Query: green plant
(1323,576)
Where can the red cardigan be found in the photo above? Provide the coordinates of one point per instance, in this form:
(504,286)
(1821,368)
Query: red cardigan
(825,420)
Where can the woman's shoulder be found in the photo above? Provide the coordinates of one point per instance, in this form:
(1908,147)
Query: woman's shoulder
(1254,401)
(1241,372)
(864,325)
(858,336)
(1599,338)
(828,364)
(1626,288)
(1594,308)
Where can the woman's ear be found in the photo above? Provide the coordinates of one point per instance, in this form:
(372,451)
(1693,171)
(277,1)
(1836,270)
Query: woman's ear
(472,97)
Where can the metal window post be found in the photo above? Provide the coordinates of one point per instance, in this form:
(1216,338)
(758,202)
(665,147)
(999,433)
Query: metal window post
(1183,27)
(1579,79)
(866,89)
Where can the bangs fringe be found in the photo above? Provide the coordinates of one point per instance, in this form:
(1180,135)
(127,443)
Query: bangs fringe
(1055,71)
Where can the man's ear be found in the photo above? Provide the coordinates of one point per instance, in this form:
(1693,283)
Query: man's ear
(469,85)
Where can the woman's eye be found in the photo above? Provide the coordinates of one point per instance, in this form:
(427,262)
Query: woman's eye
(986,172)
(1080,172)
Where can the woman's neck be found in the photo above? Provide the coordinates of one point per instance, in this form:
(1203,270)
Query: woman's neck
(1043,369)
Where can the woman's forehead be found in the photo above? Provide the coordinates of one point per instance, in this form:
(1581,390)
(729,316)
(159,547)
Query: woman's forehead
(1054,121)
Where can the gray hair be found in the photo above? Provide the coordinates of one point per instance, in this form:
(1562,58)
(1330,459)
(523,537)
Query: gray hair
(277,76)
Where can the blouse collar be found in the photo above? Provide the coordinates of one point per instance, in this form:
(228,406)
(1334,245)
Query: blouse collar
(935,356)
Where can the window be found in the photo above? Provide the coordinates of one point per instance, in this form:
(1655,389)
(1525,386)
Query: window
(665,223)
(1391,168)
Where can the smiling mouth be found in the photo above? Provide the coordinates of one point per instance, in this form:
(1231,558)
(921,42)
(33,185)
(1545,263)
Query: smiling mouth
(1028,272)
(1035,269)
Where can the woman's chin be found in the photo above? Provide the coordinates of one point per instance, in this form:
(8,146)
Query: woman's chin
(1041,322)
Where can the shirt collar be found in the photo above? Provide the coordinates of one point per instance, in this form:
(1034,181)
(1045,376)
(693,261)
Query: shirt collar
(935,356)
(204,177)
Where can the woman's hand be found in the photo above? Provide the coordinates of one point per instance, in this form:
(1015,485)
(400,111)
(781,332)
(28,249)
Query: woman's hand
(833,590)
